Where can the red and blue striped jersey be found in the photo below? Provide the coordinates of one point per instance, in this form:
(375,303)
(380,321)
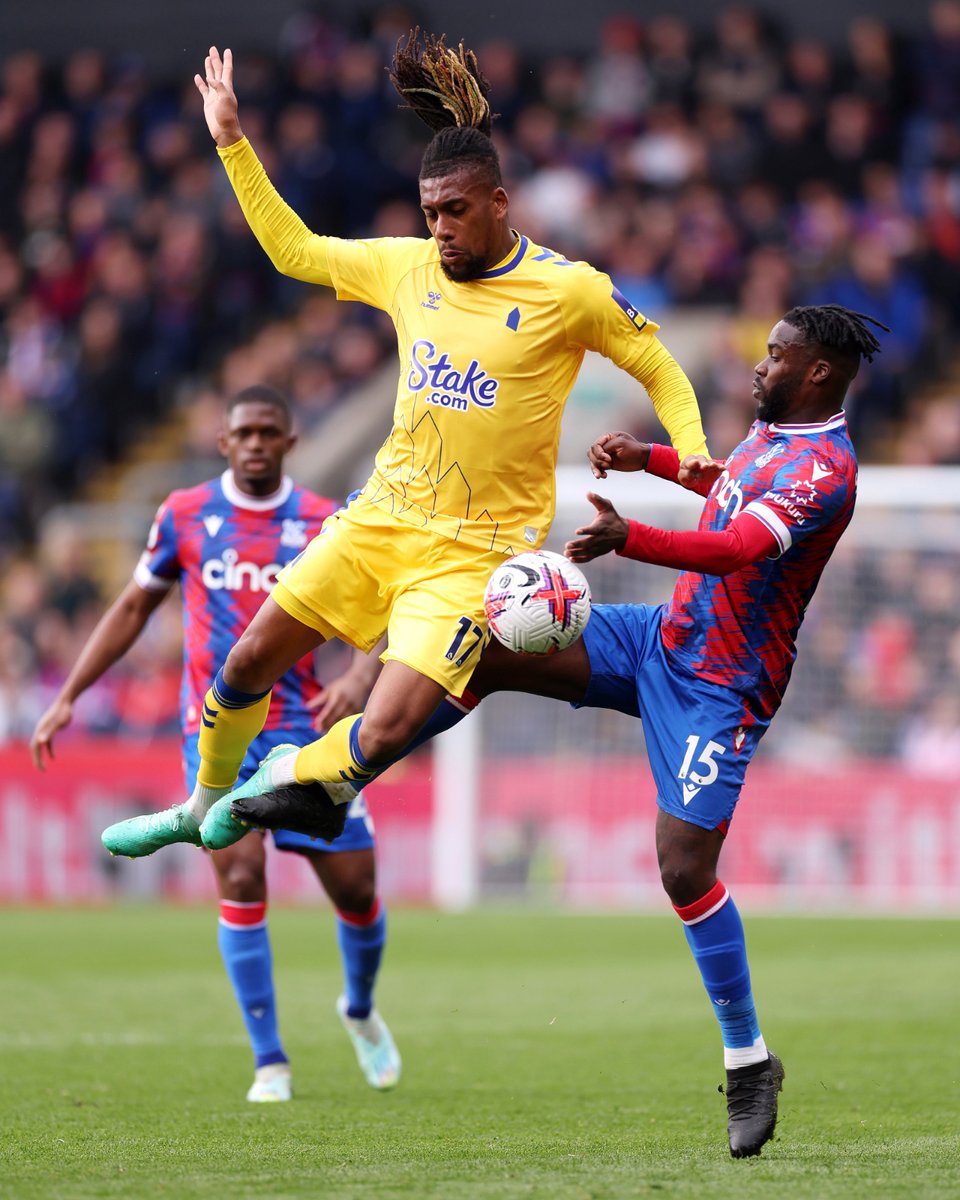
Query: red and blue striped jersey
(225,549)
(740,630)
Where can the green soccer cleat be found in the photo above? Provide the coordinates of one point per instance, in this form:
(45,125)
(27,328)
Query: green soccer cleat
(220,829)
(140,836)
(376,1052)
(271,1085)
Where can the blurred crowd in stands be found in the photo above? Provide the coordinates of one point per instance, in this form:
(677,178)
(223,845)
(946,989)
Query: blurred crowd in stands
(732,170)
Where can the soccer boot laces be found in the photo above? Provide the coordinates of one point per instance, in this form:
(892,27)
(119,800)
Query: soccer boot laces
(140,836)
(752,1094)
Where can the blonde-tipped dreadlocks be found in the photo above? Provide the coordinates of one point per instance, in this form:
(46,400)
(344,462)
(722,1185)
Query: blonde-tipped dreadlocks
(443,87)
(448,92)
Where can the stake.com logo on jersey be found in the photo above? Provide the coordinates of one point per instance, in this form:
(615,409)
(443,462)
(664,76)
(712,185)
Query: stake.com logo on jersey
(450,388)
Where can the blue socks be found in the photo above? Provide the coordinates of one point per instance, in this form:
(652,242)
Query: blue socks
(715,935)
(361,939)
(245,947)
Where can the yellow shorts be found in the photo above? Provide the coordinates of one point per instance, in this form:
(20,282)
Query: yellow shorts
(368,573)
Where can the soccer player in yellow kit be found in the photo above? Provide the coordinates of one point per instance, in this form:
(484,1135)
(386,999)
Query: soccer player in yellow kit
(491,332)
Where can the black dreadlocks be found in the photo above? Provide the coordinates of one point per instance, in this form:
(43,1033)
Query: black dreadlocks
(837,328)
(448,92)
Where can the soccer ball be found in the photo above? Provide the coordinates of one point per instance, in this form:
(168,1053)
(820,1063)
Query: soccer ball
(537,602)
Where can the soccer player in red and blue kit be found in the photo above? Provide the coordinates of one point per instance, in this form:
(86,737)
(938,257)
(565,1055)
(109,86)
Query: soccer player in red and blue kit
(707,672)
(224,542)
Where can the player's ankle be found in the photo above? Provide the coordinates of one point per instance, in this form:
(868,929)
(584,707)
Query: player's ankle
(202,801)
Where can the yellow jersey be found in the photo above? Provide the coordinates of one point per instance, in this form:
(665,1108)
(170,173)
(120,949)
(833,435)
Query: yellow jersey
(486,366)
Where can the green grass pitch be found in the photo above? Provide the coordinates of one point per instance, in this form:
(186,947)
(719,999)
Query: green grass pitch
(546,1056)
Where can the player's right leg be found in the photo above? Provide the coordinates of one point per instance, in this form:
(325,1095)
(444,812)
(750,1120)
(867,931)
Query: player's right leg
(411,705)
(232,715)
(244,943)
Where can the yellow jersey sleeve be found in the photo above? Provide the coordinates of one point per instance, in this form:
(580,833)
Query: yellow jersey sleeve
(359,270)
(598,317)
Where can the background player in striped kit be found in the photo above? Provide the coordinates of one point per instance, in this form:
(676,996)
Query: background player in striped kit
(224,542)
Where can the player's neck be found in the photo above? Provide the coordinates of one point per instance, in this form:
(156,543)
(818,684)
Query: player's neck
(257,489)
(815,413)
(507,243)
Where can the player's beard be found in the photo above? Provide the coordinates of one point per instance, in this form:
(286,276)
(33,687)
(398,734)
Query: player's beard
(472,267)
(774,403)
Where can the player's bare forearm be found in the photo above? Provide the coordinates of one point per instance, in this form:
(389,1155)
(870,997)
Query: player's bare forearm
(617,452)
(607,532)
(219,98)
(114,634)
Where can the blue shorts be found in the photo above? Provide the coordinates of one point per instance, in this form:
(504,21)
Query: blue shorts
(700,736)
(358,831)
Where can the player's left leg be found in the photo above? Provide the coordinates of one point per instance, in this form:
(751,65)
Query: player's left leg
(688,856)
(349,879)
(244,944)
(347,871)
(563,676)
(700,738)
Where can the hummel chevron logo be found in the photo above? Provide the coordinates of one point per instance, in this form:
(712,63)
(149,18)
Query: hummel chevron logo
(689,791)
(819,472)
(212,524)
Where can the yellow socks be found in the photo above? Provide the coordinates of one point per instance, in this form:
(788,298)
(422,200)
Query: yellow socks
(229,721)
(335,757)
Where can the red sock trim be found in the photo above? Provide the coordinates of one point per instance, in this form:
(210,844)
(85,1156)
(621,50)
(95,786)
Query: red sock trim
(243,913)
(361,920)
(705,907)
(466,702)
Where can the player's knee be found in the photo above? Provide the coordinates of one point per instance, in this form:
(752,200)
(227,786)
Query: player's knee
(383,737)
(355,895)
(243,882)
(685,878)
(249,666)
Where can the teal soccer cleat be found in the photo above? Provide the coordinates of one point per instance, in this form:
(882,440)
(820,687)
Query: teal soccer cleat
(376,1052)
(220,828)
(140,836)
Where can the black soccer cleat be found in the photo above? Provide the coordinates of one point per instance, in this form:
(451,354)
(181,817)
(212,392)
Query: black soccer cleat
(300,807)
(752,1105)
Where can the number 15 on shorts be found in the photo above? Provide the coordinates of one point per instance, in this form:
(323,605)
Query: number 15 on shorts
(694,780)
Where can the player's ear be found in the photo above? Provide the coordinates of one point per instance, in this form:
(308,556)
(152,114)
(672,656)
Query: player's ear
(292,440)
(222,444)
(821,371)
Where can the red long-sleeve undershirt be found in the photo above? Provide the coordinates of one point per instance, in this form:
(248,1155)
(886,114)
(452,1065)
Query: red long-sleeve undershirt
(709,552)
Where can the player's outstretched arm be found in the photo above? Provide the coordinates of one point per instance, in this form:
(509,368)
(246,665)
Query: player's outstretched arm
(115,633)
(215,85)
(292,248)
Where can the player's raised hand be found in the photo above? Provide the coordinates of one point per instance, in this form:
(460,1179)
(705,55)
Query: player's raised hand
(219,98)
(58,716)
(608,531)
(617,452)
(699,473)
